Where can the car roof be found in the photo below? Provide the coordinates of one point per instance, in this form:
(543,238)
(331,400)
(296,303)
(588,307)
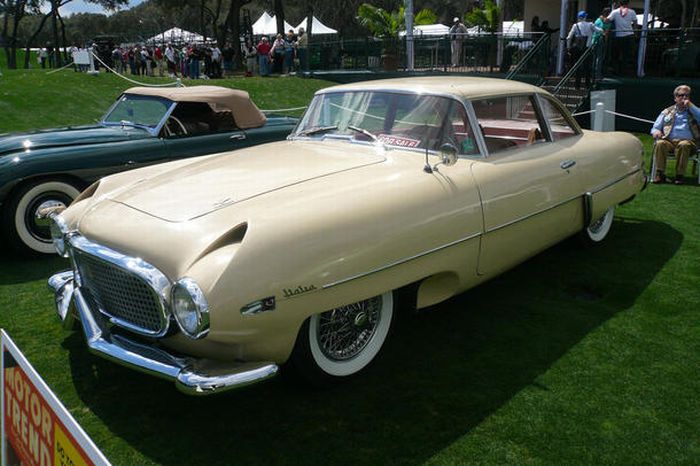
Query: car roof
(460,86)
(245,113)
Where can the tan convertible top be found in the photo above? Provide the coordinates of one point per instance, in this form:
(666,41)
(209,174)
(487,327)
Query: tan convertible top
(245,113)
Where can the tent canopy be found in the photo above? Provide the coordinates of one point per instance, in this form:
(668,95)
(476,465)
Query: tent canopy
(177,35)
(267,25)
(318,27)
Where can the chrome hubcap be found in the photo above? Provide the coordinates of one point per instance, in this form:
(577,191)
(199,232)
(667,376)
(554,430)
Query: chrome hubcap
(345,331)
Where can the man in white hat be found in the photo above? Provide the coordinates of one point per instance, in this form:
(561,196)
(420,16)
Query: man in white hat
(458,32)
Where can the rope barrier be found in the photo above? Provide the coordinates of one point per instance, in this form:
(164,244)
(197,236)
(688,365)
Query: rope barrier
(59,69)
(175,83)
(629,116)
(582,113)
(284,110)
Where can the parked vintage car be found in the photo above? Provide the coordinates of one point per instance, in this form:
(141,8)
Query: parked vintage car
(214,272)
(144,126)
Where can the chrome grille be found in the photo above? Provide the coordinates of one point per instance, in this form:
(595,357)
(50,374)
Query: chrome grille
(120,294)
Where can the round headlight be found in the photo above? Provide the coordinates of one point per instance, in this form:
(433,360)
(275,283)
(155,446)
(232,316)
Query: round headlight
(58,235)
(190,308)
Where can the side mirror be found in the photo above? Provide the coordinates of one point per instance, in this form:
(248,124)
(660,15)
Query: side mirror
(448,153)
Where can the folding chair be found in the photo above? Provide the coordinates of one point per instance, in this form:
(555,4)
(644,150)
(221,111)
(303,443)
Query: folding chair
(693,158)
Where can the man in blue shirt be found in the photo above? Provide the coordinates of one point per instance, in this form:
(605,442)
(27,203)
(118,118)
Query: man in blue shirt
(676,129)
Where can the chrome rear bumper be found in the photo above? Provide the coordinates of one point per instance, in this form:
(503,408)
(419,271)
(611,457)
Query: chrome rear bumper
(192,376)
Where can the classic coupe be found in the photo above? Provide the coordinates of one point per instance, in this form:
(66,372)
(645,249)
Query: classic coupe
(215,272)
(143,127)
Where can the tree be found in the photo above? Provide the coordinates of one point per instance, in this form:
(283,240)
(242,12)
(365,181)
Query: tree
(487,18)
(386,25)
(13,11)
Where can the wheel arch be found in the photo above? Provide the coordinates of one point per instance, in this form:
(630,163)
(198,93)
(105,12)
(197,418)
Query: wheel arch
(21,183)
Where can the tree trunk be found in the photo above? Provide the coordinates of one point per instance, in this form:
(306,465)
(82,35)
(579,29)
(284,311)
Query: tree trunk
(309,19)
(54,25)
(63,39)
(33,38)
(684,12)
(233,24)
(279,17)
(10,39)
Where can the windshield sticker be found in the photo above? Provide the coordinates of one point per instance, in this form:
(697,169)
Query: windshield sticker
(399,141)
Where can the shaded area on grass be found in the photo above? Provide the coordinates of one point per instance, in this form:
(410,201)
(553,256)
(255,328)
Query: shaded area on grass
(444,371)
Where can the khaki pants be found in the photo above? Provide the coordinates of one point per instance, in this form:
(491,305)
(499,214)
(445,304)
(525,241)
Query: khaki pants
(683,148)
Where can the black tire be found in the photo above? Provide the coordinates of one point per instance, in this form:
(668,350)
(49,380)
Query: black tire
(361,329)
(23,231)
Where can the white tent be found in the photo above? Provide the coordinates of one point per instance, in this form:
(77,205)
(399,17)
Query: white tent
(654,21)
(177,35)
(428,30)
(318,27)
(267,25)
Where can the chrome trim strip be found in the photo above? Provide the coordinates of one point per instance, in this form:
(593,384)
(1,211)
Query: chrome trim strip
(525,217)
(400,261)
(189,374)
(610,183)
(587,209)
(154,278)
(559,204)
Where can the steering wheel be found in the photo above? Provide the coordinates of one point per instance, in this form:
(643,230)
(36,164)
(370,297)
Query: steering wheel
(174,127)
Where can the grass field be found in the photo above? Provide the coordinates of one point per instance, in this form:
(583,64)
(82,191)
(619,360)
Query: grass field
(574,357)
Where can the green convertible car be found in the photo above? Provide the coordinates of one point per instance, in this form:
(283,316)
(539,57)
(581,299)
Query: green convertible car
(144,126)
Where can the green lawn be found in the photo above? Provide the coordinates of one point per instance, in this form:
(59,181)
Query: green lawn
(574,357)
(36,99)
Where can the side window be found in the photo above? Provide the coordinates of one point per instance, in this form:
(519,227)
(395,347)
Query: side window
(558,123)
(198,118)
(459,132)
(508,122)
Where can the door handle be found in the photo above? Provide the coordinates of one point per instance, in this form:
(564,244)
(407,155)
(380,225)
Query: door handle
(237,137)
(566,164)
(130,163)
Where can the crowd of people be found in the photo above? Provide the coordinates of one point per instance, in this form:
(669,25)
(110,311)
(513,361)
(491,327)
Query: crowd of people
(284,55)
(615,26)
(193,61)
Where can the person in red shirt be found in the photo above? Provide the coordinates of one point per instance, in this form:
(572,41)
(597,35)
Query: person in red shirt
(158,55)
(264,48)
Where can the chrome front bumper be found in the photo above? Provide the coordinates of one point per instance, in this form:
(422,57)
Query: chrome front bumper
(191,376)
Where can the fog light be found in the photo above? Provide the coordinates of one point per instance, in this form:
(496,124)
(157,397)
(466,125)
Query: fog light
(190,308)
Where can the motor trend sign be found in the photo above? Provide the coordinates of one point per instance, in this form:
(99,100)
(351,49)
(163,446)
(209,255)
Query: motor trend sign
(37,430)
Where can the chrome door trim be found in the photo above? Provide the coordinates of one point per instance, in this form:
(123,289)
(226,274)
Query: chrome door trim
(401,261)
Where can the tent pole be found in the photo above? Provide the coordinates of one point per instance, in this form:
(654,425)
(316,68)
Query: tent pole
(562,36)
(408,16)
(641,54)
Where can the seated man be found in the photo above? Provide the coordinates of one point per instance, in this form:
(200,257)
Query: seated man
(676,129)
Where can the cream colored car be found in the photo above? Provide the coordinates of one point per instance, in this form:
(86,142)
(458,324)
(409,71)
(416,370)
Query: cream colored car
(215,271)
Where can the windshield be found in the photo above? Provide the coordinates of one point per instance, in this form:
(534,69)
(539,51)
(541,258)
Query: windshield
(138,110)
(399,120)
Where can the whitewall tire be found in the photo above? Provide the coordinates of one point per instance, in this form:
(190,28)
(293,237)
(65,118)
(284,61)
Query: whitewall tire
(25,230)
(342,342)
(599,229)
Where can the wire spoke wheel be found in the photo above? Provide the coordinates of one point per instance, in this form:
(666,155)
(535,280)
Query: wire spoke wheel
(343,341)
(344,332)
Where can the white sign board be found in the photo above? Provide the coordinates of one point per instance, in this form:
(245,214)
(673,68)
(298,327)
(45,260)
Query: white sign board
(37,430)
(81,57)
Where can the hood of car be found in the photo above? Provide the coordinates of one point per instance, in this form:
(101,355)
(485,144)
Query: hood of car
(196,189)
(59,137)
